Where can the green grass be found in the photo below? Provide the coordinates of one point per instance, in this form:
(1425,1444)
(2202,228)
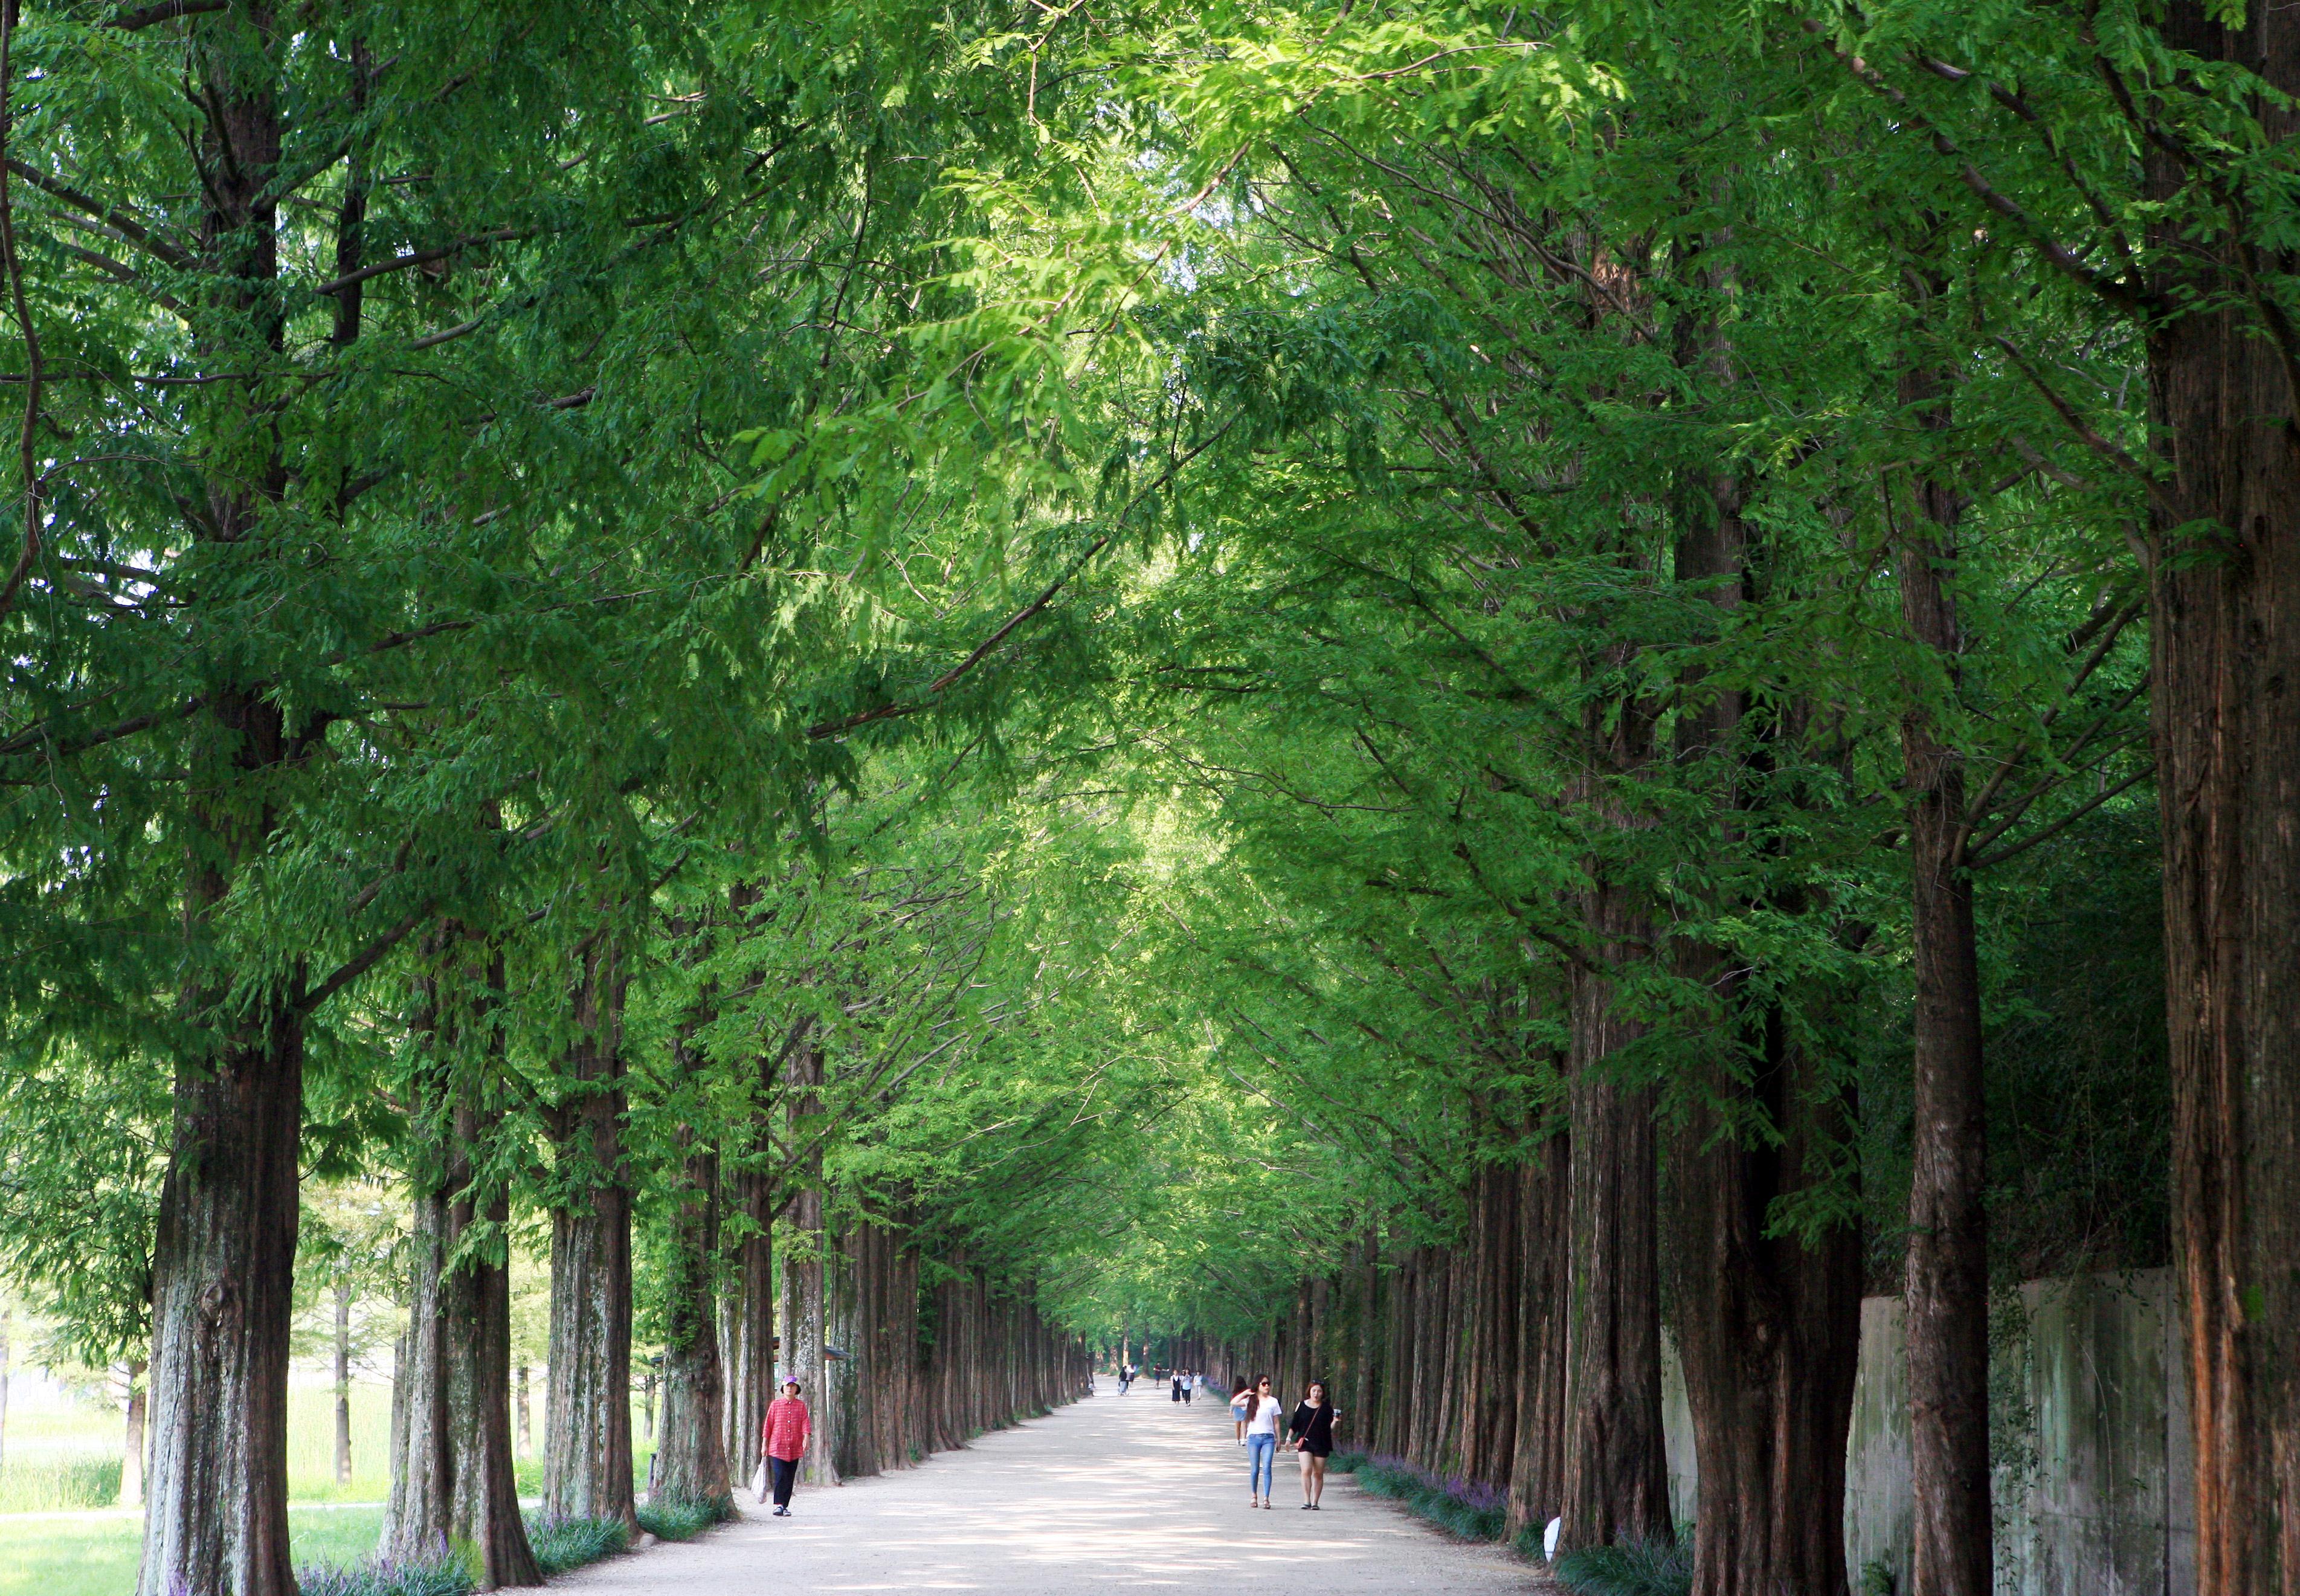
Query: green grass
(97,1556)
(674,1520)
(1468,1508)
(65,1458)
(437,1576)
(59,1483)
(563,1543)
(1632,1569)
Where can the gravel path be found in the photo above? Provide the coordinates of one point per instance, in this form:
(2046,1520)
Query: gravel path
(1110,1494)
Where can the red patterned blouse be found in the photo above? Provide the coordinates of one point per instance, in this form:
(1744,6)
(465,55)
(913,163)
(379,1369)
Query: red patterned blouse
(785,1430)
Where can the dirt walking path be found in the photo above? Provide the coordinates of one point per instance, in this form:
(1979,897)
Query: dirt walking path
(1113,1492)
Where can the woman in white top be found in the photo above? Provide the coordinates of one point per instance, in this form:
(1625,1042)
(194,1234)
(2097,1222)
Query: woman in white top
(1262,1420)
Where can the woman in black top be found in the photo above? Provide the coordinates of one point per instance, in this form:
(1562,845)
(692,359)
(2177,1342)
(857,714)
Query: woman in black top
(1312,1434)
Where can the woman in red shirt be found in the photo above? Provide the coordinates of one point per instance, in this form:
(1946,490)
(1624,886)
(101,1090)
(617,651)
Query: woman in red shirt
(783,1436)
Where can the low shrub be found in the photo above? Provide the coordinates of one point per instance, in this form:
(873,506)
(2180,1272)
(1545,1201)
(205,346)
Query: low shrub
(563,1543)
(445,1576)
(1346,1462)
(673,1520)
(1630,1568)
(1470,1509)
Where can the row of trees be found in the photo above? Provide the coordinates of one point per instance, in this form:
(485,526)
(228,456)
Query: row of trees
(1540,660)
(1742,557)
(441,612)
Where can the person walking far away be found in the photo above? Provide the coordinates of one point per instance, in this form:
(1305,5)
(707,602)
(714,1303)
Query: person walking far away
(784,1435)
(1178,1387)
(1238,1396)
(1189,1385)
(1262,1415)
(1312,1434)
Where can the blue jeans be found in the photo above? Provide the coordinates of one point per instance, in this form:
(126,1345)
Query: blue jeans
(1261,1463)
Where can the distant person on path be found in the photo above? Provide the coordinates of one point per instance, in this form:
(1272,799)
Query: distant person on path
(1237,1396)
(784,1435)
(1177,1383)
(1190,1387)
(1312,1434)
(1261,1414)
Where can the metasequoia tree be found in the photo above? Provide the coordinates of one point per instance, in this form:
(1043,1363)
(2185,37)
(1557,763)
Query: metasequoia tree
(1358,694)
(453,1477)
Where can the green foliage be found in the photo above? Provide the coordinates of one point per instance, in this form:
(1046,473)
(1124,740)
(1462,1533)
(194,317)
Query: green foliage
(672,1520)
(1468,1508)
(560,1545)
(1066,618)
(440,1576)
(63,1484)
(1630,1568)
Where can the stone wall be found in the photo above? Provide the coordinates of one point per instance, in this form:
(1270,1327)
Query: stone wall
(2093,1484)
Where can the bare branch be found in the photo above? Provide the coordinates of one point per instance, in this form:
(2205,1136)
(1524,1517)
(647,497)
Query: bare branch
(165,10)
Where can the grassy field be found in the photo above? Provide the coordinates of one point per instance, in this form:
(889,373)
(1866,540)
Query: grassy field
(65,1454)
(60,1536)
(95,1555)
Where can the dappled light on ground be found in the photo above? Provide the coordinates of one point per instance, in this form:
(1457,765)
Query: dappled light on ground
(1110,1494)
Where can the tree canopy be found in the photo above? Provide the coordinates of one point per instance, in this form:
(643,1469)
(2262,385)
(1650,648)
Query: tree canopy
(1019,677)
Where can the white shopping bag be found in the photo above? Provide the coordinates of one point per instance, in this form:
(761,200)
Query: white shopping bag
(758,1481)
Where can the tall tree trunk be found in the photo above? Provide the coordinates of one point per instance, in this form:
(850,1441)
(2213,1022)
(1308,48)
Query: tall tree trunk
(454,1479)
(1537,1475)
(751,1341)
(1490,1413)
(1768,1326)
(131,1450)
(224,1249)
(477,1297)
(2225,691)
(343,1380)
(1616,1467)
(586,1453)
(690,1461)
(751,1373)
(1364,1398)
(223,1282)
(804,1264)
(1948,1278)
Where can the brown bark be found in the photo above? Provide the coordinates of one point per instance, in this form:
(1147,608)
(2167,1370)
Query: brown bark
(223,1275)
(586,1454)
(2225,689)
(477,1299)
(804,1265)
(751,1339)
(1538,1474)
(691,1459)
(454,1479)
(1489,1393)
(1947,1268)
(1366,1384)
(1616,1468)
(1768,1326)
(216,1509)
